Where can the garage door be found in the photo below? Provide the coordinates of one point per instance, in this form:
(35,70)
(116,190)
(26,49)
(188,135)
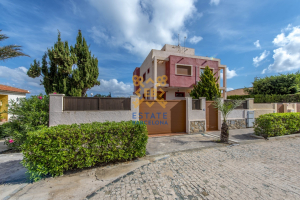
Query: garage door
(171,119)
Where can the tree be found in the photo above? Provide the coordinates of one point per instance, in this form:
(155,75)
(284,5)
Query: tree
(9,51)
(103,95)
(225,109)
(280,85)
(207,86)
(68,70)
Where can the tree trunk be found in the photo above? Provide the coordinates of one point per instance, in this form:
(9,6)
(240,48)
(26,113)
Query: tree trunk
(224,133)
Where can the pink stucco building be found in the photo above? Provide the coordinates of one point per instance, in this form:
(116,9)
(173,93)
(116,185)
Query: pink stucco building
(172,72)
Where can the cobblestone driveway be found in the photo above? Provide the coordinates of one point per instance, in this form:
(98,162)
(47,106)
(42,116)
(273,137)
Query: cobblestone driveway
(265,170)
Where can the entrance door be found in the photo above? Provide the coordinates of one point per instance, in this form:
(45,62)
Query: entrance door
(171,119)
(280,108)
(211,116)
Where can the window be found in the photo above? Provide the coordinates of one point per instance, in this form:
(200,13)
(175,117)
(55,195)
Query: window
(179,94)
(184,70)
(202,70)
(144,77)
(148,71)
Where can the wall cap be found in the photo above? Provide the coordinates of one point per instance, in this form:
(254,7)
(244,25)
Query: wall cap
(249,98)
(56,94)
(202,97)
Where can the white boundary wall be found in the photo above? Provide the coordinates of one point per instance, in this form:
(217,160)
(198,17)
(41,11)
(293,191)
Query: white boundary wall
(58,116)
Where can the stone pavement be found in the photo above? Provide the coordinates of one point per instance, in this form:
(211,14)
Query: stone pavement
(264,170)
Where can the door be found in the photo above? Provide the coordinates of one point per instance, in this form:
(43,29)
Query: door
(280,108)
(171,119)
(211,116)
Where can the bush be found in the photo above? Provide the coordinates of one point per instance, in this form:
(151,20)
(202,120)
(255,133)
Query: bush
(277,124)
(29,114)
(289,98)
(238,97)
(51,151)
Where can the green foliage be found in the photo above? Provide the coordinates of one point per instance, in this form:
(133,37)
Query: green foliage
(277,124)
(51,151)
(226,107)
(288,98)
(29,114)
(102,95)
(207,86)
(68,70)
(9,51)
(239,97)
(281,84)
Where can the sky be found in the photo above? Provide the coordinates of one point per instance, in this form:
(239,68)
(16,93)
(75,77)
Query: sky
(253,38)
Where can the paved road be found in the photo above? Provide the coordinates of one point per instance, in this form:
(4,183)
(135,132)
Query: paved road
(265,170)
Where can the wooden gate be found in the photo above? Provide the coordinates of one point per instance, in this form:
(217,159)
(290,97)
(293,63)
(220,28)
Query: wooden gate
(280,108)
(171,119)
(211,116)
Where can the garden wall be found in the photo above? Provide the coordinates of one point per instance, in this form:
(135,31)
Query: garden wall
(195,115)
(58,116)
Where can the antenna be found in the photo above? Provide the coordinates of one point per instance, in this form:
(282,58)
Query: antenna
(178,40)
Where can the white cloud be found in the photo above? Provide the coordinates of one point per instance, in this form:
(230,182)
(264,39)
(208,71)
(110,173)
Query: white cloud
(215,2)
(230,73)
(257,60)
(195,39)
(140,25)
(257,44)
(18,78)
(287,55)
(114,86)
(229,89)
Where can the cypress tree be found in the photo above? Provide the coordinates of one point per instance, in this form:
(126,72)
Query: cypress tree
(207,86)
(68,70)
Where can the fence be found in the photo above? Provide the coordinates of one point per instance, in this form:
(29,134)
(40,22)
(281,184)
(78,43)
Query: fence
(95,103)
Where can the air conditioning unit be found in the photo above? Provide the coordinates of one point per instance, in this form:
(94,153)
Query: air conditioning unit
(250,119)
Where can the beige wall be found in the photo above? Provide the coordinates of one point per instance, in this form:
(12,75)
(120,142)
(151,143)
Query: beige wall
(237,92)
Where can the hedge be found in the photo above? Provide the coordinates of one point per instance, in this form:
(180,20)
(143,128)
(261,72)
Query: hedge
(51,151)
(277,124)
(260,98)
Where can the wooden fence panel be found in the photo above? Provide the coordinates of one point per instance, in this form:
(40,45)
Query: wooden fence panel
(298,107)
(196,104)
(95,103)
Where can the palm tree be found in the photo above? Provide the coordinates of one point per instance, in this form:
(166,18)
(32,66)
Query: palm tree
(225,109)
(9,51)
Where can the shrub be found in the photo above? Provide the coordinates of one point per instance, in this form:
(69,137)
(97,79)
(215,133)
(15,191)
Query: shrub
(29,114)
(51,151)
(238,97)
(289,98)
(277,124)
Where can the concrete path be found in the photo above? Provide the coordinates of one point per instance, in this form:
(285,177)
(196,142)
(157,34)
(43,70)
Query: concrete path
(237,135)
(169,144)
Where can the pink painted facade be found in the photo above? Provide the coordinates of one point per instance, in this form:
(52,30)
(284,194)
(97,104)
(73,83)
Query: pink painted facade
(187,81)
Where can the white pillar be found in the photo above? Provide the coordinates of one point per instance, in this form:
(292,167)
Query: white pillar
(55,105)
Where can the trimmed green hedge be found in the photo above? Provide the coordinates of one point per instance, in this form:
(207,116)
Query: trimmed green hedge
(277,124)
(260,98)
(51,151)
(238,97)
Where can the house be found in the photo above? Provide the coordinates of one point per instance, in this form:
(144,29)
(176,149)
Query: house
(8,93)
(180,66)
(239,91)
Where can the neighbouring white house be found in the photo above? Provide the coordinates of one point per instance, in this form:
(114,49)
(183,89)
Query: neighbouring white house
(8,93)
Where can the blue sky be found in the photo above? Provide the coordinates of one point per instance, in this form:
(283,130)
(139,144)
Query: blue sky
(253,38)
